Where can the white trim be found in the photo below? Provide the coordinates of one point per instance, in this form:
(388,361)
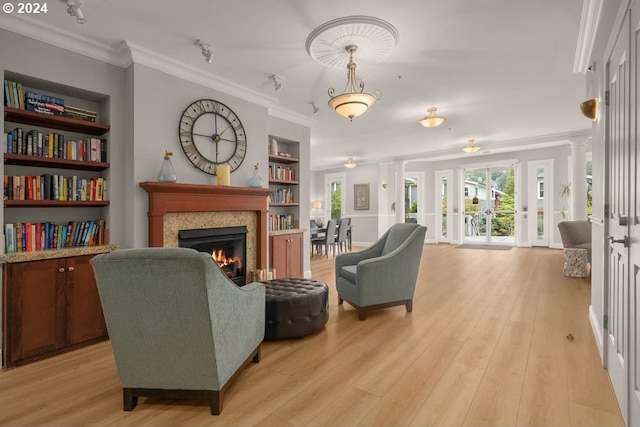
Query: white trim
(591,11)
(438,175)
(596,327)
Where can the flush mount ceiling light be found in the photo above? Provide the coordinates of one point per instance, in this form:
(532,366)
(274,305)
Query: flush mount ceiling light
(431,120)
(373,38)
(350,163)
(206,51)
(73,9)
(277,82)
(589,108)
(471,147)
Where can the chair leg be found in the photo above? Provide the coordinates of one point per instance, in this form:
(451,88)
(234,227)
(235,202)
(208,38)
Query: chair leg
(409,304)
(362,315)
(340,300)
(256,357)
(215,402)
(129,399)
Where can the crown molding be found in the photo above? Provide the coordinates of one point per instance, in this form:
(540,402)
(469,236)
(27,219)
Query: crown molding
(128,53)
(591,10)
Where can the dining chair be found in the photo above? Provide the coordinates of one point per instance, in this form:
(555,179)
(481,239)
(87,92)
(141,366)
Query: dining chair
(329,238)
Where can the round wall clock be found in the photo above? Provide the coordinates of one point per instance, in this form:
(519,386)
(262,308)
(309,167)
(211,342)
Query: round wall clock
(211,134)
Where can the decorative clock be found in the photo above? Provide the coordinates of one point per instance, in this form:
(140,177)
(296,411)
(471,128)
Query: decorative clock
(211,134)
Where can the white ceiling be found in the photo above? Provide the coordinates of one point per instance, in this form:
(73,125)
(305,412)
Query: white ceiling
(500,71)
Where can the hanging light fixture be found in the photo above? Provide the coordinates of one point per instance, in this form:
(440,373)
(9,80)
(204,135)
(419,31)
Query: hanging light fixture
(352,102)
(471,147)
(350,163)
(431,120)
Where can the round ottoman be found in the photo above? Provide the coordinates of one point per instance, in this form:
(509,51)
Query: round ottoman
(295,307)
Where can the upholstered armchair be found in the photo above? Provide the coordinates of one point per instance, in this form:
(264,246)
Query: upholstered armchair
(576,235)
(383,275)
(178,326)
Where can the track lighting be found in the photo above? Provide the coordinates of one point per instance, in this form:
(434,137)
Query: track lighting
(277,82)
(73,9)
(206,51)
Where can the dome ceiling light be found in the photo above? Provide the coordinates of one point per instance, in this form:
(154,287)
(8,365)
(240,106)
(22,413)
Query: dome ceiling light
(431,120)
(471,147)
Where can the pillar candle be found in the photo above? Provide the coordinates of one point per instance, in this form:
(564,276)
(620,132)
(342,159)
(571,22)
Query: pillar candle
(224,174)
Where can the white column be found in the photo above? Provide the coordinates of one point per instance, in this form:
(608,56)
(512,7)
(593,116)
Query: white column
(579,178)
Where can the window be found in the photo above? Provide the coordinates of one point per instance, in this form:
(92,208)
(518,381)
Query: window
(466,191)
(540,189)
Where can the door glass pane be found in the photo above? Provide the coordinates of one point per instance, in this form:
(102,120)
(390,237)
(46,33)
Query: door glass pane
(443,210)
(502,205)
(540,213)
(411,200)
(475,204)
(335,189)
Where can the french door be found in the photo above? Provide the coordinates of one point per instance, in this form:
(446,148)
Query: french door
(539,210)
(444,219)
(623,221)
(489,205)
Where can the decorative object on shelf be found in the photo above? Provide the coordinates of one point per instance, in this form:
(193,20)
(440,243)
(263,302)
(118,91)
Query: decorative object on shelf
(589,109)
(350,163)
(372,37)
(206,51)
(277,82)
(256,180)
(224,174)
(206,122)
(273,147)
(167,172)
(73,9)
(471,147)
(361,197)
(431,120)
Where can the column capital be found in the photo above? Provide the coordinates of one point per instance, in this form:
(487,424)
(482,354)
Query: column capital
(579,140)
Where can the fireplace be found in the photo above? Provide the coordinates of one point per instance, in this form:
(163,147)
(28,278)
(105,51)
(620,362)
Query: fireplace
(227,246)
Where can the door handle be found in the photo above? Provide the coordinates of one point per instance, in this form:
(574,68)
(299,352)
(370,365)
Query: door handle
(624,240)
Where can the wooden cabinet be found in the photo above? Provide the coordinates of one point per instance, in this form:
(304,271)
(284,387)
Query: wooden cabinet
(286,255)
(51,306)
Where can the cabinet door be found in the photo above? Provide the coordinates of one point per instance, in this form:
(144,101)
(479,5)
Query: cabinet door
(294,255)
(84,319)
(279,255)
(36,298)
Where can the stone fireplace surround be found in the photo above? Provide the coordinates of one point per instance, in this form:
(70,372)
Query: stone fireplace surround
(174,207)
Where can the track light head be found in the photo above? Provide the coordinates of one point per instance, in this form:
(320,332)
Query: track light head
(277,82)
(206,51)
(314,106)
(73,9)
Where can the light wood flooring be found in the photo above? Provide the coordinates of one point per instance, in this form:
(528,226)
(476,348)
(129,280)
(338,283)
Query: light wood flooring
(485,345)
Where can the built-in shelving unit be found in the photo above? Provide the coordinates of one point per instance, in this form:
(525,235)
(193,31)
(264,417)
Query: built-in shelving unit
(284,202)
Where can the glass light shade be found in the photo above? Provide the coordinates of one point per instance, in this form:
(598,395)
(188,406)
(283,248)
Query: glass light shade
(589,108)
(472,147)
(431,120)
(350,163)
(353,104)
(316,205)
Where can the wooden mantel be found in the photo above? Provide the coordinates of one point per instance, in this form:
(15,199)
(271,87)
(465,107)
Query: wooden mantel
(174,197)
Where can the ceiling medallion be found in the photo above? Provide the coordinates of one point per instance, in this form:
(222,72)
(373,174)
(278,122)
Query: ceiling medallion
(374,37)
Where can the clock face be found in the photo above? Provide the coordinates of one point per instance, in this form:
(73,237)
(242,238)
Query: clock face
(211,134)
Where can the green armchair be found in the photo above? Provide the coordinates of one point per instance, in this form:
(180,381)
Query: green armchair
(178,326)
(383,275)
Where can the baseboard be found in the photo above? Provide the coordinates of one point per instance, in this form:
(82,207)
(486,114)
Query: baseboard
(597,332)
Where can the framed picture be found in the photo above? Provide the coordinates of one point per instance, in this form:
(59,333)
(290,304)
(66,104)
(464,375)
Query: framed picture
(361,197)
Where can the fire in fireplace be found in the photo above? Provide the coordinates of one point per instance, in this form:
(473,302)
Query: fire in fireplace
(227,246)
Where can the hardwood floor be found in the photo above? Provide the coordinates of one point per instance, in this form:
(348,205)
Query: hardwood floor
(485,345)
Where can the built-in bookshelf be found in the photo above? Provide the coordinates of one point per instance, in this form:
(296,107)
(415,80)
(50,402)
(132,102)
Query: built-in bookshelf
(55,157)
(284,202)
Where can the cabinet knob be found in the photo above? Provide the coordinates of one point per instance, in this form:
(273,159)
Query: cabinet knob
(70,268)
(61,270)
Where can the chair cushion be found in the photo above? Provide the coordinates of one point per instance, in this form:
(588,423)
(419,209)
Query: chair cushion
(349,272)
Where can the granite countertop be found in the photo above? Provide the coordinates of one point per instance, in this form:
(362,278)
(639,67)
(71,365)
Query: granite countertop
(56,253)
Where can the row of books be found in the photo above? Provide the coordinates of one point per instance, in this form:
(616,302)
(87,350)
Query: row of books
(13,96)
(33,237)
(54,187)
(281,195)
(53,145)
(80,113)
(281,173)
(280,222)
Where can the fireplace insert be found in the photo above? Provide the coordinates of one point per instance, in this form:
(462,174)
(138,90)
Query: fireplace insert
(227,246)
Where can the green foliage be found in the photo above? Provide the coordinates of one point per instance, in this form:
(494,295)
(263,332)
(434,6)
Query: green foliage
(503,224)
(336,202)
(414,208)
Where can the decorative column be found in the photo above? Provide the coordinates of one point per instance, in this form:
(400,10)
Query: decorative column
(579,178)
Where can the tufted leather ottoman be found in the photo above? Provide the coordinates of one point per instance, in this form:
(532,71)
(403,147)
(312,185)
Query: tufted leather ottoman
(295,307)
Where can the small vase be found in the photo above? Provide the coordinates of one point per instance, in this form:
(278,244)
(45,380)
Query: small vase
(167,173)
(256,180)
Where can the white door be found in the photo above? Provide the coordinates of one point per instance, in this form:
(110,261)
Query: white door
(623,226)
(444,216)
(634,222)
